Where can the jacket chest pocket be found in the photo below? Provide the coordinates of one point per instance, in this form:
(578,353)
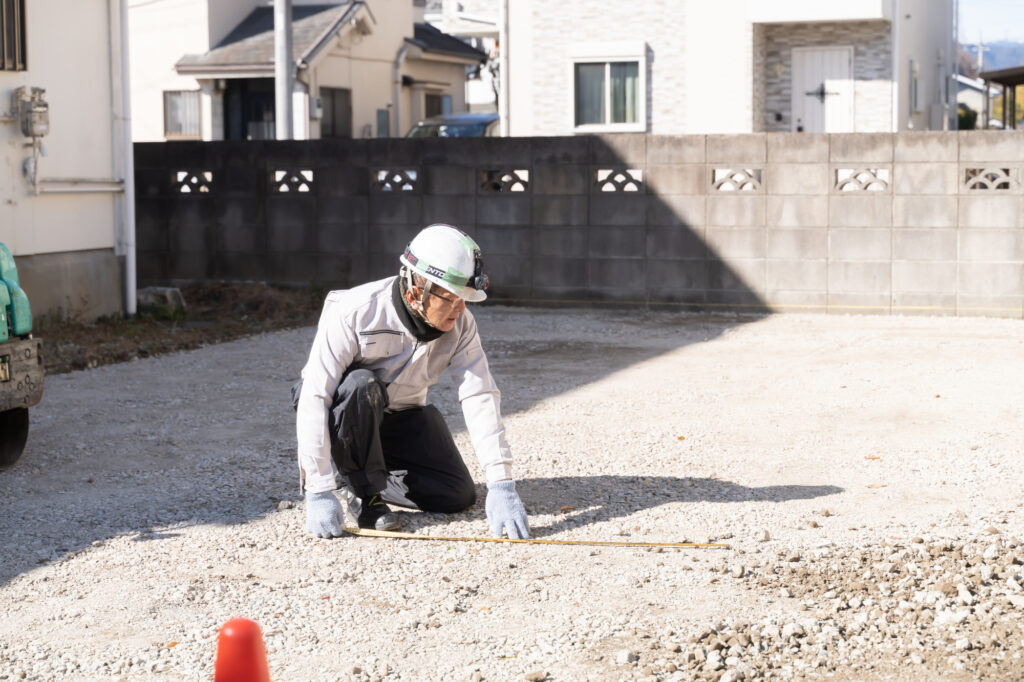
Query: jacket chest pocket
(376,345)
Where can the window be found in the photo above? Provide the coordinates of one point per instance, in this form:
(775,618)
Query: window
(609,88)
(435,105)
(181,114)
(337,116)
(12,35)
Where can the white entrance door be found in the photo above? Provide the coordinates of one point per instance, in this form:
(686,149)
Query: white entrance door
(822,94)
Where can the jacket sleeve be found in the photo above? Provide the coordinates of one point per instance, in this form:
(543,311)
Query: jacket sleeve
(481,404)
(334,348)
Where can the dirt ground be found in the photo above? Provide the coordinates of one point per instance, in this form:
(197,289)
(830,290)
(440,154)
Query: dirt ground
(214,313)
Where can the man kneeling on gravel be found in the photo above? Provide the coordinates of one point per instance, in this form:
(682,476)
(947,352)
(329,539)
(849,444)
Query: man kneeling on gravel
(361,405)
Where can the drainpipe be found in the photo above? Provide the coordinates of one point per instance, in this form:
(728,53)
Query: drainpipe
(122,140)
(399,58)
(897,84)
(503,71)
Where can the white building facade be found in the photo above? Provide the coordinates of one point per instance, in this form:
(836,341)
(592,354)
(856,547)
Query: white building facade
(65,182)
(737,66)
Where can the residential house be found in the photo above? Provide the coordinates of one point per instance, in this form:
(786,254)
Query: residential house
(204,69)
(970,92)
(476,22)
(735,66)
(66,206)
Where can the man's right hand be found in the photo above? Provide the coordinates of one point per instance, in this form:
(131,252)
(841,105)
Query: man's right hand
(325,517)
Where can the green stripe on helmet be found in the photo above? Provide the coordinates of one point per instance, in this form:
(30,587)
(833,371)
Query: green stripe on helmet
(468,242)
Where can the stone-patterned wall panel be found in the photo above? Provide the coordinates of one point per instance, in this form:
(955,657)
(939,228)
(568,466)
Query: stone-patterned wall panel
(872,69)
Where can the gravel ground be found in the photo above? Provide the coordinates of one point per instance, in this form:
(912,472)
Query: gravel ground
(864,470)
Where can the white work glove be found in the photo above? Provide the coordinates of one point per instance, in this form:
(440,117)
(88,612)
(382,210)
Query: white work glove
(505,511)
(324,515)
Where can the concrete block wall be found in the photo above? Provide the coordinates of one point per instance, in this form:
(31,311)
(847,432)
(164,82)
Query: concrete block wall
(911,223)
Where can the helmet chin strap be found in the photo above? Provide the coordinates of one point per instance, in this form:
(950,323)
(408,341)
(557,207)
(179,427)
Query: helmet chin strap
(420,308)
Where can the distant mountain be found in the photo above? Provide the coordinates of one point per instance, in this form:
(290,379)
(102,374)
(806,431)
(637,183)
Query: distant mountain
(1003,54)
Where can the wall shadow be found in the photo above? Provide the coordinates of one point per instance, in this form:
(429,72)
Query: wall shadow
(623,222)
(616,223)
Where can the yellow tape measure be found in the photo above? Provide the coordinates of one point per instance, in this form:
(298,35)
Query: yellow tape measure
(367,532)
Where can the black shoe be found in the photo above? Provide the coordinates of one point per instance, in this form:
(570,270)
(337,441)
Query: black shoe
(374,514)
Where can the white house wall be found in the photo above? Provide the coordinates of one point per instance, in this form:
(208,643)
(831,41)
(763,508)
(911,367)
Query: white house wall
(543,35)
(81,131)
(161,33)
(706,66)
(923,35)
(718,46)
(58,237)
(521,65)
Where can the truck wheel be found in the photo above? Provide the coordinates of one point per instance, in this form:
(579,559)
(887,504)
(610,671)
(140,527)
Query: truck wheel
(13,434)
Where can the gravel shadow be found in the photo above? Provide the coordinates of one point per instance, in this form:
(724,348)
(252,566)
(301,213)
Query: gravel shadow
(602,498)
(583,500)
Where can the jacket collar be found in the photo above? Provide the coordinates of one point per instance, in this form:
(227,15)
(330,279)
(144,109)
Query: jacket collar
(416,325)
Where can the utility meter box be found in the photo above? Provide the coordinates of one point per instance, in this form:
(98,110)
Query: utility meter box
(32,110)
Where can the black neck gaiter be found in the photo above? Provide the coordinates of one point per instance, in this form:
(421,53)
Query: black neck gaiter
(416,325)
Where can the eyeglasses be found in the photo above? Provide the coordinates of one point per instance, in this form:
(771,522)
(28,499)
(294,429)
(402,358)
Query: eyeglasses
(447,296)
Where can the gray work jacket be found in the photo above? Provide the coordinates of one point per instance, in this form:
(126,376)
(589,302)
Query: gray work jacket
(360,328)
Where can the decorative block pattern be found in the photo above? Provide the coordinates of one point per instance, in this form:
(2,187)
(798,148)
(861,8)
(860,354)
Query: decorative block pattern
(285,181)
(862,179)
(192,181)
(990,178)
(505,181)
(738,180)
(398,180)
(619,179)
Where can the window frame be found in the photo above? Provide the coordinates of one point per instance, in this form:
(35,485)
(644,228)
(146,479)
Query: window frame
(608,53)
(198,135)
(19,33)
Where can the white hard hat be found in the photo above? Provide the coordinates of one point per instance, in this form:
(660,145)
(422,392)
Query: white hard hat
(450,258)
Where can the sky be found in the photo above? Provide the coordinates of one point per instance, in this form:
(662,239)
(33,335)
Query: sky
(991,20)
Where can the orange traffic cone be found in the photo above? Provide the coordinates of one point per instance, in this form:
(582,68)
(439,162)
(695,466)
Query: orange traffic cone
(241,656)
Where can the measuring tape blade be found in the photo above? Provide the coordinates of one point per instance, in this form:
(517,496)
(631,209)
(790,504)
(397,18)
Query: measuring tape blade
(368,532)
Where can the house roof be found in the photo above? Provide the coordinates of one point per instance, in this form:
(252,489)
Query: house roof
(251,44)
(975,85)
(430,39)
(1008,77)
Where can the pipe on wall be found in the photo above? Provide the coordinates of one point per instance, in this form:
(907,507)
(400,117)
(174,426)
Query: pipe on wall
(123,149)
(503,71)
(399,58)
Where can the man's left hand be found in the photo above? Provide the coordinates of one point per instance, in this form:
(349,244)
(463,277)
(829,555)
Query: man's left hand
(505,511)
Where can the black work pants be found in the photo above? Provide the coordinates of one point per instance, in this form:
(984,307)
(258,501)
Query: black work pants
(408,456)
